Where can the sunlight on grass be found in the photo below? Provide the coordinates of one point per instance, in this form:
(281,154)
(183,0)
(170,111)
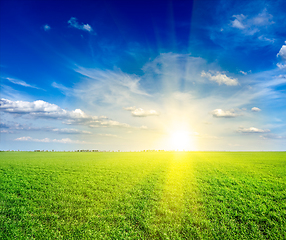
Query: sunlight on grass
(170,210)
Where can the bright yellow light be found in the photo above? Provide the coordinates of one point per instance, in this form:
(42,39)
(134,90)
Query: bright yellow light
(180,140)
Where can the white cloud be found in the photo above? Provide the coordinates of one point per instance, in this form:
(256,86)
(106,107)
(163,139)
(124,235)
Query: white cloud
(282,52)
(219,113)
(244,73)
(87,27)
(220,78)
(38,108)
(281,66)
(47,27)
(144,113)
(48,140)
(237,22)
(42,109)
(73,23)
(255,109)
(252,130)
(139,112)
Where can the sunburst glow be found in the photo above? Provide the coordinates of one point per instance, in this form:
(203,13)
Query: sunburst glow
(180,140)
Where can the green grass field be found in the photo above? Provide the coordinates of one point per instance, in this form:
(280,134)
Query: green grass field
(166,195)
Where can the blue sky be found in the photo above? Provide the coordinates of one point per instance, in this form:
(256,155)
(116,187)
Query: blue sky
(134,75)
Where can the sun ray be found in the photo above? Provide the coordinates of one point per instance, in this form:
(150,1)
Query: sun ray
(171,205)
(181,140)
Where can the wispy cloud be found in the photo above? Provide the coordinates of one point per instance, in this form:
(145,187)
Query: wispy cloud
(6,131)
(237,22)
(104,123)
(65,90)
(24,127)
(269,88)
(20,82)
(17,126)
(48,140)
(273,136)
(251,25)
(109,87)
(245,27)
(252,130)
(69,131)
(85,27)
(114,79)
(220,78)
(107,135)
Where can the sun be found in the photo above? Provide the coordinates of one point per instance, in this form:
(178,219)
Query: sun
(180,140)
